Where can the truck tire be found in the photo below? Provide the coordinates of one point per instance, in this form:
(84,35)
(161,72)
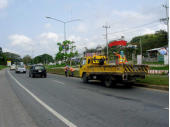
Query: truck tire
(84,78)
(108,81)
(32,76)
(45,75)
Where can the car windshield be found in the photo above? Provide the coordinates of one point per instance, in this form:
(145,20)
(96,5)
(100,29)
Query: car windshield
(21,66)
(39,67)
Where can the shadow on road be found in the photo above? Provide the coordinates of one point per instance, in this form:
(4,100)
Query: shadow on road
(114,86)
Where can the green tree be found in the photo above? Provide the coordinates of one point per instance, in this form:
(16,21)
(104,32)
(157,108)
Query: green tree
(66,51)
(44,59)
(149,41)
(2,57)
(27,59)
(12,57)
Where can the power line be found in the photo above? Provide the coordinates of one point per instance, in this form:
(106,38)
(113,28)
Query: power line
(132,31)
(137,31)
(135,27)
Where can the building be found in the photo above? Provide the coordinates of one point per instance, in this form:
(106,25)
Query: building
(156,54)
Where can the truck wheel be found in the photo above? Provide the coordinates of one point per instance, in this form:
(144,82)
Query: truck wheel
(32,76)
(45,75)
(84,78)
(108,82)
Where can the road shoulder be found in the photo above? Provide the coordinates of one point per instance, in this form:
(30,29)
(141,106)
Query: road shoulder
(12,113)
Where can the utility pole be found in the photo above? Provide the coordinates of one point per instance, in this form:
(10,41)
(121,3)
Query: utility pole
(166,20)
(141,48)
(106,27)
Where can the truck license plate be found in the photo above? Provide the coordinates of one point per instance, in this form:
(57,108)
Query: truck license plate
(94,77)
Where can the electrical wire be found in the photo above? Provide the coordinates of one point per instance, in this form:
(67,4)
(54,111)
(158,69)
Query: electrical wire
(155,21)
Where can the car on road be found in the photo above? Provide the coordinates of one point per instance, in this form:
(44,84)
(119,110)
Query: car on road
(37,70)
(20,69)
(13,67)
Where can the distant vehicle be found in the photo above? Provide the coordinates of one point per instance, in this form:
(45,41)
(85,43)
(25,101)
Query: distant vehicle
(20,69)
(52,63)
(37,70)
(13,67)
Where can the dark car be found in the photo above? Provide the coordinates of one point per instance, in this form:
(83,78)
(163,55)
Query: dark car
(37,70)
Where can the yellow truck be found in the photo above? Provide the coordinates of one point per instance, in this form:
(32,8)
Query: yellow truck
(97,68)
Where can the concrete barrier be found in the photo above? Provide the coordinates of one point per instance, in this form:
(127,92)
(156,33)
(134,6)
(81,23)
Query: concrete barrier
(158,71)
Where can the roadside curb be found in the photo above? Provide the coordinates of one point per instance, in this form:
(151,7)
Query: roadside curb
(166,88)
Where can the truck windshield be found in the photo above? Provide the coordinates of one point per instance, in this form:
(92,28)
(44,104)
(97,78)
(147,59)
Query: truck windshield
(84,62)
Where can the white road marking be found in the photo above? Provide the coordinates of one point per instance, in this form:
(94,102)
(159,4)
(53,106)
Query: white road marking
(56,114)
(59,82)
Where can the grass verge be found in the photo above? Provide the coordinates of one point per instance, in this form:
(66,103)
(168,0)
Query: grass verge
(2,67)
(155,80)
(60,71)
(159,68)
(54,66)
(153,63)
(150,79)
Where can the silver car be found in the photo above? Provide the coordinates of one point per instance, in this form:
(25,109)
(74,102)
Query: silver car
(20,69)
(13,67)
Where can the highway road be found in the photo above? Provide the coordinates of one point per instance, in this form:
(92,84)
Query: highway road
(57,101)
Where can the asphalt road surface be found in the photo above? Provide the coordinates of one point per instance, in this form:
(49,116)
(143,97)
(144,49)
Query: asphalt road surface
(57,101)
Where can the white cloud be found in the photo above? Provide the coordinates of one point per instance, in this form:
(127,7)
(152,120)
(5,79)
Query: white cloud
(17,39)
(9,50)
(43,43)
(47,25)
(82,28)
(3,4)
(20,44)
(147,30)
(50,36)
(89,34)
(47,43)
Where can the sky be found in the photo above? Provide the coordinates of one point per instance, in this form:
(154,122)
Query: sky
(25,30)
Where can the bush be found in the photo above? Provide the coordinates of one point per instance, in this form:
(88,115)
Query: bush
(60,71)
(2,67)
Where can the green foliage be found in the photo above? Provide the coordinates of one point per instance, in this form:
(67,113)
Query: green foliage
(2,67)
(45,59)
(8,56)
(158,63)
(150,41)
(2,59)
(66,51)
(155,80)
(11,57)
(55,66)
(160,68)
(27,59)
(60,71)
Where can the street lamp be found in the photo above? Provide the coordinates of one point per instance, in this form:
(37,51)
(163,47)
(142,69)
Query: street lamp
(64,22)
